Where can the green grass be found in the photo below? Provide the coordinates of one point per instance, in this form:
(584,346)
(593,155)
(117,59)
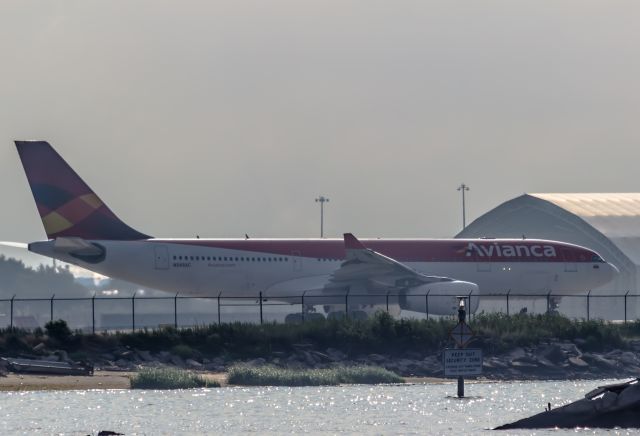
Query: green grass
(380,334)
(169,378)
(499,332)
(269,375)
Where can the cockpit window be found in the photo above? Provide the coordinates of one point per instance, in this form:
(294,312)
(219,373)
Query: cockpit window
(596,258)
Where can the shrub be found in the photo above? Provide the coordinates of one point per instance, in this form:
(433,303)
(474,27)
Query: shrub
(269,375)
(184,351)
(169,378)
(58,330)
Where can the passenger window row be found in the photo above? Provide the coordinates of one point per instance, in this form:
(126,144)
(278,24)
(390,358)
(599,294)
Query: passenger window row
(231,259)
(323,259)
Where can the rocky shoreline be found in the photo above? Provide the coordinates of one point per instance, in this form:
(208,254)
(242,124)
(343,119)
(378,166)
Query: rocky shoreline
(554,360)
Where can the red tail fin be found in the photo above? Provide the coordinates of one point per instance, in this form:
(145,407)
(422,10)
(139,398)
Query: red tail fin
(67,206)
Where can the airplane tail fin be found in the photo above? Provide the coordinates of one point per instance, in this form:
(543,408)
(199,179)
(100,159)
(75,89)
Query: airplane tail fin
(67,206)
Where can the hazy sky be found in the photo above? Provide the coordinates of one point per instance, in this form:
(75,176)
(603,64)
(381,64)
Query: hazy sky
(221,118)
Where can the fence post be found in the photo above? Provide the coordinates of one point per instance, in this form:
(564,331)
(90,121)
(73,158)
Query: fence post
(260,307)
(625,307)
(11,320)
(549,302)
(508,292)
(426,307)
(388,301)
(93,314)
(346,304)
(175,310)
(133,312)
(51,308)
(219,293)
(469,309)
(588,304)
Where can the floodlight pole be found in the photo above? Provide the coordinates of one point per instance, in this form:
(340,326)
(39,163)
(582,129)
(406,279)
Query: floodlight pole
(322,200)
(463,188)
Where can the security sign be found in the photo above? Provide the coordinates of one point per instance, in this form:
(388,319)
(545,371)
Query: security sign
(462,334)
(462,361)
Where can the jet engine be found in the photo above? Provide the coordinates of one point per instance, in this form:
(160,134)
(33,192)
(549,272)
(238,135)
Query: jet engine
(440,298)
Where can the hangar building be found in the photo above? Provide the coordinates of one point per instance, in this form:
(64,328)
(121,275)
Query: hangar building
(606,223)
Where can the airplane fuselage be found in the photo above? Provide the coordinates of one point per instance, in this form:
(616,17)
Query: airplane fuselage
(288,267)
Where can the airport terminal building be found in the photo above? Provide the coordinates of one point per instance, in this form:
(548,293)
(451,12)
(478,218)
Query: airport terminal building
(606,223)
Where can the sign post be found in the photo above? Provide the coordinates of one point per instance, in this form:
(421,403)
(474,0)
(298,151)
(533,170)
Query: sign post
(461,361)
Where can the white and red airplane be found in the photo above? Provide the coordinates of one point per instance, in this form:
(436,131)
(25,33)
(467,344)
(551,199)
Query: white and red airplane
(83,231)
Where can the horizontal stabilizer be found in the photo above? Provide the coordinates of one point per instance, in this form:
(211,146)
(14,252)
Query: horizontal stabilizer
(14,244)
(76,246)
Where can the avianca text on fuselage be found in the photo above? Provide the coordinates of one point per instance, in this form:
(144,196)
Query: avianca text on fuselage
(507,250)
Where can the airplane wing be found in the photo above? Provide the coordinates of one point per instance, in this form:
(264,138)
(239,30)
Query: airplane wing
(367,269)
(363,271)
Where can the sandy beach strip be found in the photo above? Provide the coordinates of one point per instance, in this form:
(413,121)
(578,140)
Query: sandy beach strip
(120,380)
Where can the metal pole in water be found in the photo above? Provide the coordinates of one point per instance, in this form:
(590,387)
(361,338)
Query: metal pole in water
(461,319)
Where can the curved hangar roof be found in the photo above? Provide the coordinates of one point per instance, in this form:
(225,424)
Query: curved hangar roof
(607,223)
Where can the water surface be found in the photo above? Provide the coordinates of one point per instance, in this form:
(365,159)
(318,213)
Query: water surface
(407,409)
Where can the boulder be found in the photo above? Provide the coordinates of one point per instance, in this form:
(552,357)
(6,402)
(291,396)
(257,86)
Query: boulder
(335,355)
(516,353)
(320,356)
(599,361)
(176,360)
(578,362)
(260,361)
(164,356)
(219,361)
(213,367)
(376,358)
(193,364)
(629,358)
(123,363)
(546,363)
(309,358)
(413,355)
(62,356)
(124,354)
(145,355)
(553,352)
(570,348)
(108,356)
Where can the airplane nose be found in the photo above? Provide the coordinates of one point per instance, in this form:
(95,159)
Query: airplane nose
(611,271)
(614,269)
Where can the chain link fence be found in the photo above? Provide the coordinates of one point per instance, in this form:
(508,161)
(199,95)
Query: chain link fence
(102,313)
